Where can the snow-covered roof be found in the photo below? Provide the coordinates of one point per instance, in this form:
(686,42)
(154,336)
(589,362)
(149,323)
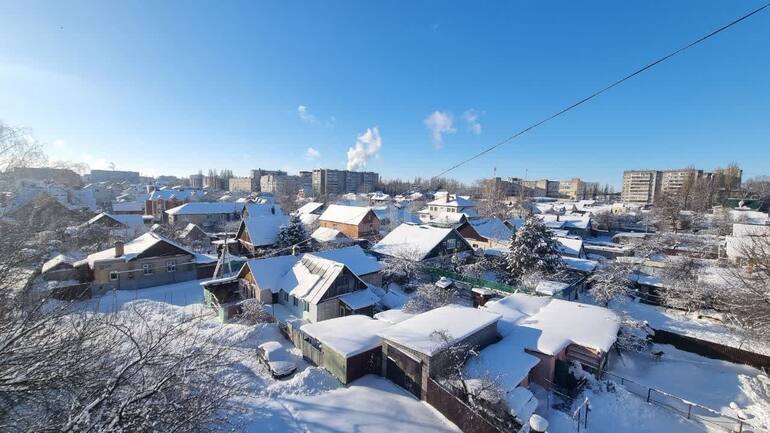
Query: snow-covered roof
(348,335)
(190,227)
(551,288)
(750,230)
(749,216)
(326,234)
(516,223)
(133,248)
(418,332)
(128,220)
(128,206)
(182,195)
(505,362)
(354,258)
(492,228)
(56,261)
(581,265)
(515,308)
(360,299)
(453,200)
(309,208)
(206,208)
(569,221)
(308,218)
(345,214)
(561,323)
(445,218)
(264,229)
(569,246)
(393,316)
(411,241)
(305,277)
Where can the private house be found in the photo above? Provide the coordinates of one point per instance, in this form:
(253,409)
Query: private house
(486,233)
(415,350)
(557,332)
(196,236)
(326,237)
(571,246)
(348,347)
(356,222)
(126,225)
(364,266)
(205,213)
(147,261)
(421,242)
(259,230)
(445,203)
(128,208)
(159,201)
(308,287)
(60,268)
(310,212)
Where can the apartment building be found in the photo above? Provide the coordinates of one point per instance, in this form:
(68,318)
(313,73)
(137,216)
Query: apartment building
(577,189)
(327,181)
(244,184)
(279,184)
(644,186)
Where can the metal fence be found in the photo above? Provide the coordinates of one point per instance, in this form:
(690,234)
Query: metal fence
(478,282)
(708,418)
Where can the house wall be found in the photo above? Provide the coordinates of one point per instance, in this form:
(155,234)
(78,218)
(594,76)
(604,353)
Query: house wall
(543,373)
(200,219)
(369,227)
(131,276)
(460,245)
(375,279)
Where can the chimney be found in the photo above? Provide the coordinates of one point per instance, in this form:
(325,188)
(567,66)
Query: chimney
(119,248)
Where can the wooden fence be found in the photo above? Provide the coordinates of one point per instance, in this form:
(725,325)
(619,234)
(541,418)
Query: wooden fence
(712,350)
(456,410)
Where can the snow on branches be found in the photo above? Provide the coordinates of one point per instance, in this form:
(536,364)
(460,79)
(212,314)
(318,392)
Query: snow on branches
(532,249)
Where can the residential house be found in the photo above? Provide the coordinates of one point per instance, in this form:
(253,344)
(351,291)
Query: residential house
(354,221)
(421,242)
(448,203)
(259,230)
(147,261)
(196,236)
(571,246)
(325,237)
(128,208)
(414,351)
(557,332)
(309,287)
(364,266)
(159,201)
(310,212)
(348,347)
(123,226)
(486,233)
(205,213)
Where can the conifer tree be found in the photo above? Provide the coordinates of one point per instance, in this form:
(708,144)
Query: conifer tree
(532,249)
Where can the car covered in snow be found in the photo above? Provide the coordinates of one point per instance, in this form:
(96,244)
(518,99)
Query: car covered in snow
(277,359)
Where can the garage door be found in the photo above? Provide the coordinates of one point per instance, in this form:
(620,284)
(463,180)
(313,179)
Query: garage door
(404,371)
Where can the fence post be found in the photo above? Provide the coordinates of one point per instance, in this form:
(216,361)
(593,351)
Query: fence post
(689,411)
(649,390)
(585,419)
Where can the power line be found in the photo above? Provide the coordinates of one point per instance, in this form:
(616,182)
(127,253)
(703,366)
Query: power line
(599,92)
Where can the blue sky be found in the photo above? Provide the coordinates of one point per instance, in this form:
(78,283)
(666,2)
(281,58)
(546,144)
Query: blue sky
(173,87)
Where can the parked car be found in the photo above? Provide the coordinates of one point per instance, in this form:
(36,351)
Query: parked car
(277,359)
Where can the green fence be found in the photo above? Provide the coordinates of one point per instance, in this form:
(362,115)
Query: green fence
(478,282)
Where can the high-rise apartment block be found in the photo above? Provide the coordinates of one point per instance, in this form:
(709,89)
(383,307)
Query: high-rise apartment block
(327,181)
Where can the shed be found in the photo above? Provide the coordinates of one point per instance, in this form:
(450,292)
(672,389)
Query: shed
(347,347)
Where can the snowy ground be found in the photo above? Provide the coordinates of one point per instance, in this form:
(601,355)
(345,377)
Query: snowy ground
(180,294)
(311,400)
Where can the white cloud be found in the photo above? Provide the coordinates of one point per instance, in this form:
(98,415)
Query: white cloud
(305,116)
(471,117)
(439,124)
(311,153)
(59,143)
(368,144)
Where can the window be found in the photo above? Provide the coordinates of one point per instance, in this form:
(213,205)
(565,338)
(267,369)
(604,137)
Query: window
(171,266)
(451,244)
(306,306)
(295,301)
(147,269)
(113,275)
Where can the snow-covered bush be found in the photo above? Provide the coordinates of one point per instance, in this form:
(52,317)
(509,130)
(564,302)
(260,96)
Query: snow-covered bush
(610,282)
(253,312)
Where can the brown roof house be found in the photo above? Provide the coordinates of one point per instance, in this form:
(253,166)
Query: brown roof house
(356,222)
(147,261)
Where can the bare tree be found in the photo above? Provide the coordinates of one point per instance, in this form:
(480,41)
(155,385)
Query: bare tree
(66,370)
(18,148)
(253,311)
(403,269)
(429,296)
(610,282)
(683,287)
(745,295)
